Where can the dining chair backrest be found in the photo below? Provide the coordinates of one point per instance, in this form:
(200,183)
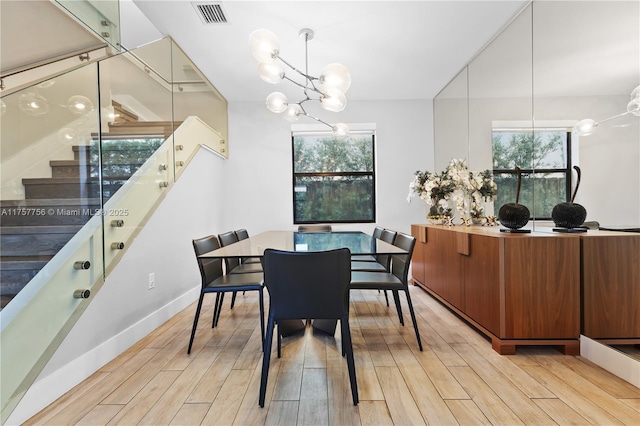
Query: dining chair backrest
(242,234)
(310,285)
(400,262)
(210,269)
(314,228)
(377,231)
(388,236)
(227,239)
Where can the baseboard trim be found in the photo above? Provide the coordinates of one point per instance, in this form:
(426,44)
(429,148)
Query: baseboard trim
(611,360)
(47,389)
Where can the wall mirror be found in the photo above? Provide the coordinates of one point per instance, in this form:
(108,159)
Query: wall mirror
(557,63)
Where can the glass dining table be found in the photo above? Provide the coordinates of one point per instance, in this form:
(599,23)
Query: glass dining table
(359,243)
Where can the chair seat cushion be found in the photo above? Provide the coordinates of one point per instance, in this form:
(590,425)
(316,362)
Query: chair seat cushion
(363,258)
(236,282)
(375,281)
(246,268)
(368,266)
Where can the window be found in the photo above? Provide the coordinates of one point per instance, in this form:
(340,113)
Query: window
(333,178)
(544,157)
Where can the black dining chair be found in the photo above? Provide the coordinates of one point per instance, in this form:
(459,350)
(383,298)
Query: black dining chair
(215,281)
(312,285)
(233,264)
(382,260)
(377,232)
(396,280)
(243,234)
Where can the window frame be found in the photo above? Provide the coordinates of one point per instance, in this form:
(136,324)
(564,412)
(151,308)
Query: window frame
(295,175)
(566,171)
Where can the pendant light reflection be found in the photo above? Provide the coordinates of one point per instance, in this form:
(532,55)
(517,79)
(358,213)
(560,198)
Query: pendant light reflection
(588,126)
(67,136)
(33,104)
(79,105)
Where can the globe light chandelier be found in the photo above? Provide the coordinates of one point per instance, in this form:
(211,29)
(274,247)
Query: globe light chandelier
(329,88)
(588,126)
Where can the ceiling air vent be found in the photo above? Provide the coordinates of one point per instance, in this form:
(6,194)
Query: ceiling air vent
(211,13)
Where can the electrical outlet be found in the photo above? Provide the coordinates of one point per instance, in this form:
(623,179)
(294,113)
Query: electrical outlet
(152,280)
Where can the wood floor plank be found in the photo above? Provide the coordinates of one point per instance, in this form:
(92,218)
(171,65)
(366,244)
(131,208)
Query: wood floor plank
(288,381)
(467,412)
(517,401)
(140,405)
(572,397)
(374,413)
(225,407)
(190,414)
(633,403)
(313,413)
(431,406)
(560,412)
(282,413)
(485,397)
(249,412)
(100,415)
(592,391)
(171,401)
(608,382)
(400,403)
(66,400)
(368,384)
(447,386)
(212,380)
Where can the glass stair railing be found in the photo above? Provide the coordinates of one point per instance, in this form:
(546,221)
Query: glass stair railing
(87,156)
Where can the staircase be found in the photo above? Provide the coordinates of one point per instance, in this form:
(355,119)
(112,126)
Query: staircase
(33,230)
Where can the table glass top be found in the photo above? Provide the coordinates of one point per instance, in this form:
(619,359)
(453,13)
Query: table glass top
(357,242)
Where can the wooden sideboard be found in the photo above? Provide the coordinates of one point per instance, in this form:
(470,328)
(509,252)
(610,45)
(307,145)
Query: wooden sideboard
(518,289)
(611,287)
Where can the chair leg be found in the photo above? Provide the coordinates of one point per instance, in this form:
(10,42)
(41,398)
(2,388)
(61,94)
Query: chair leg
(386,297)
(217,317)
(396,298)
(413,318)
(261,299)
(351,366)
(279,342)
(266,358)
(233,299)
(195,322)
(216,306)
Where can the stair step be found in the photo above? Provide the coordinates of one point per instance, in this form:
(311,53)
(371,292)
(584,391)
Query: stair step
(70,168)
(43,212)
(16,272)
(71,187)
(35,240)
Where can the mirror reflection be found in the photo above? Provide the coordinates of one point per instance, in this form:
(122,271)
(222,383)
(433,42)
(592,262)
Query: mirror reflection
(556,65)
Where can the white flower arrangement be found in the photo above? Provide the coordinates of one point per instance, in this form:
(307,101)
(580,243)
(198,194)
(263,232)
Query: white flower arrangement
(466,188)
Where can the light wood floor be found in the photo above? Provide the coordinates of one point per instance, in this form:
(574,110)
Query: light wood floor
(458,379)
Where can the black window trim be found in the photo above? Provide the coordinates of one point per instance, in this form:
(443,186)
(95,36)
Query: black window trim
(294,175)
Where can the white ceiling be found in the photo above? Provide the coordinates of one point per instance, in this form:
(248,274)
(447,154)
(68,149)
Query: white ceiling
(394,49)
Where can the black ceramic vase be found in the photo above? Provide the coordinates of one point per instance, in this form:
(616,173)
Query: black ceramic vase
(569,215)
(514,215)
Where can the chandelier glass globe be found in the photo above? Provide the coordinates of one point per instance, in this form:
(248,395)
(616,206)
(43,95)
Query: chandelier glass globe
(265,45)
(277,102)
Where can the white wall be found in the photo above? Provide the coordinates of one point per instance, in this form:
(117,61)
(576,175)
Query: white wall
(258,173)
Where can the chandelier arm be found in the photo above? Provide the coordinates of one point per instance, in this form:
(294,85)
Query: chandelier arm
(318,120)
(307,76)
(302,85)
(615,116)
